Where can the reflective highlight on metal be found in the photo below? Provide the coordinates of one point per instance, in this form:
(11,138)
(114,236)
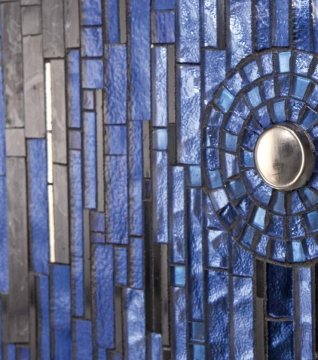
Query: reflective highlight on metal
(284,157)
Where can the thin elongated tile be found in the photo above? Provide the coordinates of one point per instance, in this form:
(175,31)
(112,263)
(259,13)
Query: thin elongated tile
(263,24)
(188,130)
(31,20)
(74,88)
(43,311)
(116,84)
(33,86)
(59,112)
(38,205)
(280,23)
(18,306)
(179,314)
(214,64)
(71,23)
(61,311)
(13,64)
(4,246)
(112,22)
(155,346)
(240,30)
(2,110)
(120,266)
(280,340)
(302,24)
(87,266)
(77,281)
(83,339)
(61,214)
(100,151)
(140,59)
(116,140)
(136,263)
(163,27)
(210,23)
(188,41)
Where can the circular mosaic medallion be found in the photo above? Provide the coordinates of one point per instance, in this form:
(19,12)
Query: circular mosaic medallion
(261,140)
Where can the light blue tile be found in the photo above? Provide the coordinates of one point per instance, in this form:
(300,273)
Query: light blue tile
(160,139)
(259,218)
(92,74)
(178,275)
(301,85)
(210,23)
(136,261)
(218,243)
(225,100)
(121,264)
(254,97)
(92,42)
(284,61)
(91,12)
(279,111)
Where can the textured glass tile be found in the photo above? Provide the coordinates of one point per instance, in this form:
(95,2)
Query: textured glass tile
(197,331)
(252,178)
(116,140)
(296,228)
(188,41)
(165,27)
(219,199)
(302,62)
(217,248)
(218,316)
(77,278)
(241,108)
(91,12)
(280,340)
(252,71)
(136,324)
(261,247)
(263,116)
(121,263)
(188,131)
(297,251)
(295,107)
(231,165)
(140,59)
(112,21)
(225,100)
(276,226)
(136,263)
(269,88)
(248,159)
(309,119)
(103,288)
(160,139)
(92,42)
(73,89)
(234,123)
(279,202)
(284,59)
(178,275)
(313,98)
(212,159)
(247,237)
(296,203)
(250,140)
(311,197)
(214,65)
(280,35)
(302,17)
(214,178)
(240,30)
(284,83)
(83,339)
(235,83)
(179,311)
(155,344)
(116,84)
(195,176)
(160,84)
(267,62)
(245,206)
(198,352)
(43,291)
(259,218)
(92,74)
(312,247)
(228,215)
(230,142)
(278,250)
(237,188)
(242,260)
(263,24)
(243,318)
(312,220)
(279,291)
(61,302)
(301,85)
(210,23)
(279,111)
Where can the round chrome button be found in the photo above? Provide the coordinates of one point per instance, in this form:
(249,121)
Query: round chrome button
(284,157)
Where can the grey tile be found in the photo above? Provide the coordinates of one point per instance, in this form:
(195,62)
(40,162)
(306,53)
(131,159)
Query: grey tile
(33,86)
(31,20)
(71,21)
(146,148)
(87,265)
(18,305)
(30,2)
(12,64)
(15,142)
(58,111)
(100,151)
(123,21)
(53,28)
(61,214)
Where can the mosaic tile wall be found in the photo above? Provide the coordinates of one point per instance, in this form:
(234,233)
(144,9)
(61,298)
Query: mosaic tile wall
(116,235)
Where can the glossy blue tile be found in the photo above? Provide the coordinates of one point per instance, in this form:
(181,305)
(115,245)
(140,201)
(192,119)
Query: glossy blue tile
(250,140)
(234,123)
(309,118)
(155,345)
(235,83)
(90,176)
(225,100)
(38,205)
(116,199)
(178,275)
(296,203)
(302,17)
(164,27)
(112,21)
(312,220)
(240,31)
(313,97)
(103,288)
(179,315)
(116,140)
(188,38)
(312,247)
(297,251)
(91,11)
(284,83)
(92,74)
(242,259)
(231,165)
(116,84)
(214,179)
(284,59)
(219,199)
(302,63)
(11,352)
(237,188)
(61,315)
(198,352)
(259,218)
(279,202)
(43,323)
(263,24)
(301,85)
(23,353)
(160,139)
(275,226)
(188,130)
(279,111)
(263,116)
(218,316)
(140,59)
(136,219)
(243,318)
(195,177)
(214,69)
(230,142)
(248,159)
(164,4)
(83,339)
(210,25)
(74,89)
(177,214)
(280,35)
(136,324)
(92,42)
(121,264)
(197,331)
(280,340)
(252,71)
(76,202)
(136,263)
(267,63)
(279,291)
(278,250)
(254,97)
(160,83)
(77,279)
(218,246)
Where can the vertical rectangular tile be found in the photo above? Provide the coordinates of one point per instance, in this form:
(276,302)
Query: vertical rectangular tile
(171,83)
(61,311)
(136,324)
(314,12)
(13,64)
(140,59)
(89,140)
(210,23)
(214,72)
(179,314)
(112,18)
(87,266)
(31,20)
(155,346)
(163,27)
(43,311)
(136,263)
(77,286)
(280,340)
(53,28)
(189,114)
(116,84)
(302,24)
(71,23)
(280,23)
(240,44)
(188,34)
(74,89)
(18,305)
(100,151)
(4,246)
(91,11)
(38,205)
(61,214)
(263,24)
(83,339)
(116,199)
(103,295)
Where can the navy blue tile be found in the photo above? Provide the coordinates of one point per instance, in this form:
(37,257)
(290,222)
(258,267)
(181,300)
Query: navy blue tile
(77,286)
(103,295)
(140,59)
(179,315)
(92,42)
(136,263)
(43,323)
(92,74)
(164,4)
(280,340)
(280,35)
(38,205)
(164,27)
(61,303)
(112,21)
(83,339)
(74,89)
(263,24)
(91,12)
(116,84)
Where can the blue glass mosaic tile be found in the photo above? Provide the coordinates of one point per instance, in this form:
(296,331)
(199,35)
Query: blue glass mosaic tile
(92,74)
(302,28)
(263,23)
(43,298)
(73,88)
(77,278)
(112,21)
(91,12)
(281,23)
(280,340)
(165,27)
(92,42)
(180,322)
(210,23)
(84,344)
(155,346)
